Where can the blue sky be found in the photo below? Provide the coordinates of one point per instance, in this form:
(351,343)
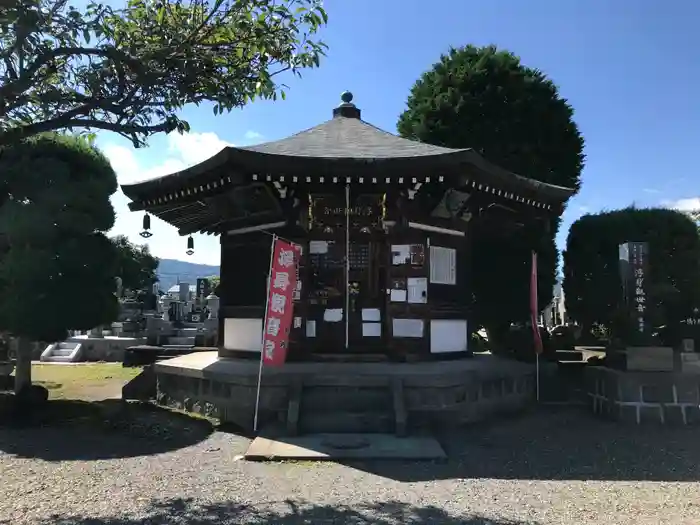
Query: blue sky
(628,67)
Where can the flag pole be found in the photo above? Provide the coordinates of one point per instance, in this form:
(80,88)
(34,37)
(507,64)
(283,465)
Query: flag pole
(347,266)
(537,376)
(534,308)
(262,337)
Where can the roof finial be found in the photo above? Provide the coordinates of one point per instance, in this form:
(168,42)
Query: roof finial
(346,108)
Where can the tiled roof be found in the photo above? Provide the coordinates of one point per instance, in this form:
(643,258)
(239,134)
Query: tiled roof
(344,148)
(343,138)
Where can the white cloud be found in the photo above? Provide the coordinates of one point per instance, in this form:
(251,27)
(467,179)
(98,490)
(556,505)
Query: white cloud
(181,152)
(690,204)
(193,148)
(252,135)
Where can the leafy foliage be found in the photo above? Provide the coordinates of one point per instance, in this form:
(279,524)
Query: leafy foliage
(484,98)
(56,264)
(592,282)
(130,70)
(135,265)
(500,274)
(215,282)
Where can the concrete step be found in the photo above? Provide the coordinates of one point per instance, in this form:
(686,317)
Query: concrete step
(333,399)
(62,352)
(188,341)
(58,359)
(347,423)
(176,347)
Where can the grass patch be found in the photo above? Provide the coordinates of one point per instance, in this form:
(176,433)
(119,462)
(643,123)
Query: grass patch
(86,398)
(92,381)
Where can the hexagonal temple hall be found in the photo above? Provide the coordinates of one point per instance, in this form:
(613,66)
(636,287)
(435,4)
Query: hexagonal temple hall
(380,336)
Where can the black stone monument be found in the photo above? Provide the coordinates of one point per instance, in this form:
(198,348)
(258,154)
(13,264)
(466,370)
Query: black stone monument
(634,269)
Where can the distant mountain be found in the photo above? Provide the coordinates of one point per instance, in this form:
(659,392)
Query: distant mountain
(172,271)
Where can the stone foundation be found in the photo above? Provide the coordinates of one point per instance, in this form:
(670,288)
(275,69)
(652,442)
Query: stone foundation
(109,348)
(414,394)
(661,398)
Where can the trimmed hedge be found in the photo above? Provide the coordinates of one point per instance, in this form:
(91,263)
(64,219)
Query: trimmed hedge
(592,282)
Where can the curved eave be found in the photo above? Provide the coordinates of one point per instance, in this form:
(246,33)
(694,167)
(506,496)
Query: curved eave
(138,190)
(551,192)
(457,166)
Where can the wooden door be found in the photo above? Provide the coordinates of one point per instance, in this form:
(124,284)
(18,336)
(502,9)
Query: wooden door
(325,299)
(366,288)
(346,288)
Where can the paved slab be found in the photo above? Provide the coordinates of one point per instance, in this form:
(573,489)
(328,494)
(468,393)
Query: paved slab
(330,447)
(210,366)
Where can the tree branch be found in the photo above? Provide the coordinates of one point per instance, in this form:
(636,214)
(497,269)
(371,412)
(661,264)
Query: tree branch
(69,121)
(26,76)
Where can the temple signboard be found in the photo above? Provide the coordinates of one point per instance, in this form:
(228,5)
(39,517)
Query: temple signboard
(353,211)
(634,274)
(330,210)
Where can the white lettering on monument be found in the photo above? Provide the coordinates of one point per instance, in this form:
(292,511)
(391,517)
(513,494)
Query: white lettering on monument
(640,298)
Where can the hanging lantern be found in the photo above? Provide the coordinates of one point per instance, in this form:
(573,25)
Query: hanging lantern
(190,245)
(146,233)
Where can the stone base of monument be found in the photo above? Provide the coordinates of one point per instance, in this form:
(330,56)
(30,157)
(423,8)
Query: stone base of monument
(639,397)
(642,359)
(688,362)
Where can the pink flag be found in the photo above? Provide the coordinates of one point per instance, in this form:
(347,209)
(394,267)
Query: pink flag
(534,310)
(280,302)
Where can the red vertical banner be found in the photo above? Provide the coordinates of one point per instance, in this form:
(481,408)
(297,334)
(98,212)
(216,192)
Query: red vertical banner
(280,301)
(534,307)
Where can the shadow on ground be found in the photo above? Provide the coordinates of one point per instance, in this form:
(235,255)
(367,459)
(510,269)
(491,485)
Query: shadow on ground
(557,444)
(285,513)
(65,430)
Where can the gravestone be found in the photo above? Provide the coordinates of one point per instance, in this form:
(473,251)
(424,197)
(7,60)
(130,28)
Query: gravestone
(688,359)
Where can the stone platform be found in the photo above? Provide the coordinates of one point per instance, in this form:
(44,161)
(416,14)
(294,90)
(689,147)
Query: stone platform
(659,398)
(346,397)
(337,447)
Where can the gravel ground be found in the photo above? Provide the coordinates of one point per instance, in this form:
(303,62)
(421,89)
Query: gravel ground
(551,467)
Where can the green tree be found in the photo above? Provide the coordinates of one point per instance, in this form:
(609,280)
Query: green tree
(592,282)
(135,265)
(57,266)
(484,98)
(130,70)
(215,282)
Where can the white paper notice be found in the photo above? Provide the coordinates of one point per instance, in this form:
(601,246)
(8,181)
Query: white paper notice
(310,328)
(400,254)
(443,265)
(333,315)
(398,296)
(318,247)
(417,290)
(371,314)
(371,329)
(407,327)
